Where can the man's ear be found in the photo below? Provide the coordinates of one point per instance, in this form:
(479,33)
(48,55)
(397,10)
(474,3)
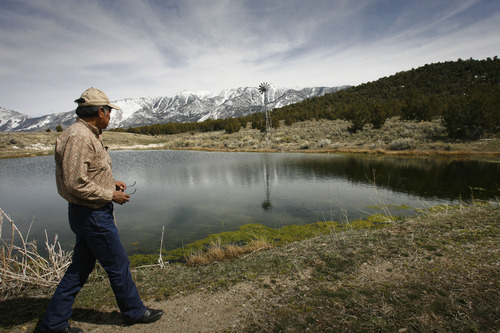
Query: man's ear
(102,112)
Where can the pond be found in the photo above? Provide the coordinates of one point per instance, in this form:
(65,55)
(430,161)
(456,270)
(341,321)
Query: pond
(192,194)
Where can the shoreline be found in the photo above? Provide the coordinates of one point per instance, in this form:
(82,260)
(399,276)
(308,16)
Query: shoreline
(35,150)
(13,154)
(395,138)
(344,151)
(431,272)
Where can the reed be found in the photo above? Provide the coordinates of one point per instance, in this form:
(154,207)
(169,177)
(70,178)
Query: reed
(22,266)
(217,251)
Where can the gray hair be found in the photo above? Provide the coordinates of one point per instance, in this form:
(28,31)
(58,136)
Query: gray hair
(90,110)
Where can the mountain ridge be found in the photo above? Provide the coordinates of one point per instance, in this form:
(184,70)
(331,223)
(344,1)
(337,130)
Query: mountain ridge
(186,106)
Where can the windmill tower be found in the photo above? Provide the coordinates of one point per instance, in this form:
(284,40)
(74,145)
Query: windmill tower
(264,88)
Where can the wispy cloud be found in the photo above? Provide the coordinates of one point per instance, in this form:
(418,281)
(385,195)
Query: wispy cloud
(52,50)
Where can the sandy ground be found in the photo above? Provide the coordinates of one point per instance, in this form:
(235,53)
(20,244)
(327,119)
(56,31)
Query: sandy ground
(201,312)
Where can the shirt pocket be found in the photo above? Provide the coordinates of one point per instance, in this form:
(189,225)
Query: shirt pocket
(101,162)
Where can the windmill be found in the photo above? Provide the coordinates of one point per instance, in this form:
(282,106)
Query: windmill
(264,88)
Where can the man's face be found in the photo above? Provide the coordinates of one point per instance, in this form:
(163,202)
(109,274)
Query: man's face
(104,117)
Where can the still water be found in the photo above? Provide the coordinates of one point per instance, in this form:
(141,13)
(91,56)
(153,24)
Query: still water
(193,194)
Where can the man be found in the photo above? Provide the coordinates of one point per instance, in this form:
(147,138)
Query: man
(84,178)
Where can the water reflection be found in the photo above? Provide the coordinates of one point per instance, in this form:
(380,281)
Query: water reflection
(194,194)
(266,205)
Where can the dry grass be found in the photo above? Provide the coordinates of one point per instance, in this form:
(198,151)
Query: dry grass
(14,145)
(23,267)
(217,252)
(26,144)
(433,273)
(395,137)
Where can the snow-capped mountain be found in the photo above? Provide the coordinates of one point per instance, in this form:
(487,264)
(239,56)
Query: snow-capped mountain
(183,107)
(10,119)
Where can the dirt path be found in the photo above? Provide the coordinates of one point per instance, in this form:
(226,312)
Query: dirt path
(199,312)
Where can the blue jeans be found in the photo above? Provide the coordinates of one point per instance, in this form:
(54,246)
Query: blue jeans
(96,238)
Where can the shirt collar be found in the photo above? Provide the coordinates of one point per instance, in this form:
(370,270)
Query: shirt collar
(91,127)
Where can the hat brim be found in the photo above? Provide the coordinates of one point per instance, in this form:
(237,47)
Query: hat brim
(114,106)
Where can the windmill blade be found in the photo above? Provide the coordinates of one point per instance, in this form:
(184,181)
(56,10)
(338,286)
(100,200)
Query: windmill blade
(264,87)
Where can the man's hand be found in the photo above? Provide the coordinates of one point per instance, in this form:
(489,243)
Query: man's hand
(120,186)
(120,197)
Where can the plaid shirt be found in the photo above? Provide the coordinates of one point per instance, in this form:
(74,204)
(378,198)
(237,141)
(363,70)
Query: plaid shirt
(83,166)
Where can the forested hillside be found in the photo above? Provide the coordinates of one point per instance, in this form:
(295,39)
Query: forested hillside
(464,93)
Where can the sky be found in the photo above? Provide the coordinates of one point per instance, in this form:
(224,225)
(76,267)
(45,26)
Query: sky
(53,50)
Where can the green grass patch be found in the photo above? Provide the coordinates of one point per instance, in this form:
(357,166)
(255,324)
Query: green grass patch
(254,231)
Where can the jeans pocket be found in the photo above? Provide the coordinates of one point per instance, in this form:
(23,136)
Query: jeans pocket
(78,218)
(102,219)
